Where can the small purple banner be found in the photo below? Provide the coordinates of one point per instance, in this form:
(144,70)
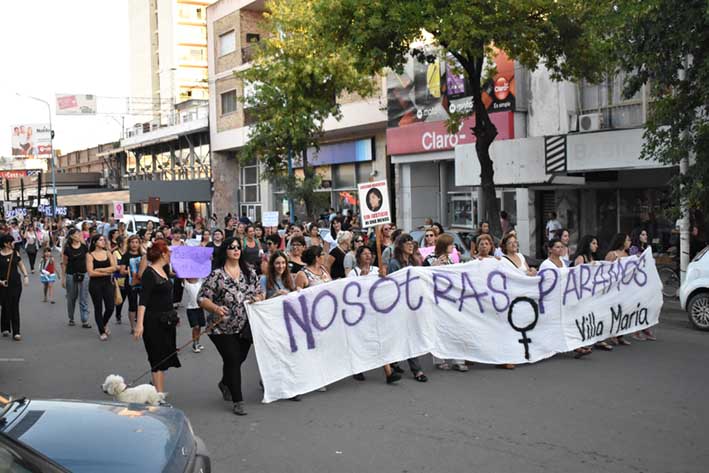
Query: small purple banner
(191,261)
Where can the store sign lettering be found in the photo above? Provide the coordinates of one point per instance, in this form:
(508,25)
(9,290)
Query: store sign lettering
(435,141)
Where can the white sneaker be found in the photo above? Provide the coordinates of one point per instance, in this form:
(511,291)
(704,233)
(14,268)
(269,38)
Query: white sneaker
(196,348)
(200,346)
(6,333)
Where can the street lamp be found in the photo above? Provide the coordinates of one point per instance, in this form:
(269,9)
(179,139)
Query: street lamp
(51,145)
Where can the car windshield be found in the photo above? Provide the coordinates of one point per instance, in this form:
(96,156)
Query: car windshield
(700,254)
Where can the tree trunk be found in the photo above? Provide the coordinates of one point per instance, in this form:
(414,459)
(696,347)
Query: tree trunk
(485,133)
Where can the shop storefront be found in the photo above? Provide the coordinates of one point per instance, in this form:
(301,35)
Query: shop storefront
(420,101)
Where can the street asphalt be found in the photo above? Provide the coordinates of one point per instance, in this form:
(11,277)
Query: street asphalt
(641,408)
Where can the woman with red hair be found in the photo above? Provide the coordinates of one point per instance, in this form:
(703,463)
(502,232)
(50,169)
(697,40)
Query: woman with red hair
(157,319)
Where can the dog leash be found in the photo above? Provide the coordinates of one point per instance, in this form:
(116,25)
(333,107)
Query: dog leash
(207,329)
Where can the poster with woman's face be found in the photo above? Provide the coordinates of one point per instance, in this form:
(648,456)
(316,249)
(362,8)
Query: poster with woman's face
(374,200)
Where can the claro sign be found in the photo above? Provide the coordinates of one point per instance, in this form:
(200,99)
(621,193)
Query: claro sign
(432,136)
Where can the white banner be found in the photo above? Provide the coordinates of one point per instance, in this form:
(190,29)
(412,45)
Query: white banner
(483,311)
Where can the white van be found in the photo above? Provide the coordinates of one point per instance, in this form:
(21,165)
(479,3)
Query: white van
(134,222)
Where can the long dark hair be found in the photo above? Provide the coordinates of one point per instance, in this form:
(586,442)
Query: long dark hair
(584,249)
(635,238)
(94,239)
(399,253)
(271,276)
(332,227)
(220,256)
(618,242)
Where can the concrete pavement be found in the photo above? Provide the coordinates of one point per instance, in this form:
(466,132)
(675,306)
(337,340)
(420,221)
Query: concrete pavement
(640,408)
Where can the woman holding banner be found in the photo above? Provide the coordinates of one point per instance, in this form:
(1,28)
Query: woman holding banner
(223,295)
(403,257)
(620,244)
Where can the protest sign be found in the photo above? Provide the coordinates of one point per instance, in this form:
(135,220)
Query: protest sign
(374,203)
(484,311)
(270,219)
(191,261)
(117,210)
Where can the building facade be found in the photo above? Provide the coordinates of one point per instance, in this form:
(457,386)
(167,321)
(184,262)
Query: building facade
(353,150)
(580,158)
(168,56)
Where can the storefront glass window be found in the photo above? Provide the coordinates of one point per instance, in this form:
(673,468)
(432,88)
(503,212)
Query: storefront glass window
(647,208)
(462,210)
(363,172)
(343,176)
(607,215)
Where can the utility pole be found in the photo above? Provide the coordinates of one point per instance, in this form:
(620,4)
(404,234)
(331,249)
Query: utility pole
(684,219)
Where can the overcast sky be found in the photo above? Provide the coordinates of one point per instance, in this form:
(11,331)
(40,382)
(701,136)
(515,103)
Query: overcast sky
(62,46)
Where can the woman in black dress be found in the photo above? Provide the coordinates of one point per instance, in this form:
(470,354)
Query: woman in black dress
(11,287)
(157,320)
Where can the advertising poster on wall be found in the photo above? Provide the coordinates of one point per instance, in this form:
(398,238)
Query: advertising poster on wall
(31,141)
(422,97)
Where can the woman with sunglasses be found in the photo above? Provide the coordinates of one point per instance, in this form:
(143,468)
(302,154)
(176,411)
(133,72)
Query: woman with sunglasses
(429,238)
(351,256)
(223,295)
(100,266)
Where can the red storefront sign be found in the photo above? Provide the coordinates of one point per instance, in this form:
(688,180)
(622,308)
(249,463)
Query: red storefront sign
(425,137)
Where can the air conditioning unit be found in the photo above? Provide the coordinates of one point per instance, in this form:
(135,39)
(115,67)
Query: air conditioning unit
(590,122)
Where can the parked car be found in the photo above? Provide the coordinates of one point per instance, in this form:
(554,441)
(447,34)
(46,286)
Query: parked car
(134,222)
(694,292)
(82,436)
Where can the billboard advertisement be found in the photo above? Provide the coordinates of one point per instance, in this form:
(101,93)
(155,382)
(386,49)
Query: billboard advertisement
(73,104)
(425,94)
(31,141)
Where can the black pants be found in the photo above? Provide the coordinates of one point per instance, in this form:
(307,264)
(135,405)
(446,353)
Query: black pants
(32,256)
(233,351)
(10,304)
(101,290)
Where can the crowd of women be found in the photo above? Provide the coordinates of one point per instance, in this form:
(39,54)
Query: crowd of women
(250,263)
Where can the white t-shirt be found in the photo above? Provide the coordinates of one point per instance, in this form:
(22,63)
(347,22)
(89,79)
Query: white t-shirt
(189,296)
(552,227)
(547,263)
(523,268)
(357,272)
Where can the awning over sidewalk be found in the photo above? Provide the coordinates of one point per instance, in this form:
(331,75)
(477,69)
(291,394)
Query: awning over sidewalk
(93,198)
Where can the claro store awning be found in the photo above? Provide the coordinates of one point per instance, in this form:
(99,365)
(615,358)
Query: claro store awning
(93,198)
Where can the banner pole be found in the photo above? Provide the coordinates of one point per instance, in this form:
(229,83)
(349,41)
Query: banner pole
(378,237)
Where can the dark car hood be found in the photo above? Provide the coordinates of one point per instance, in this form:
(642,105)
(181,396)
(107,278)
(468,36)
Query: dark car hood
(104,437)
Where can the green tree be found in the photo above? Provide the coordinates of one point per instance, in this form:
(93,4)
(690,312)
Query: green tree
(567,36)
(663,45)
(295,81)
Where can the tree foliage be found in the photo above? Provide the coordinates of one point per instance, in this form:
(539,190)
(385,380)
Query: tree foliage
(295,80)
(664,44)
(570,37)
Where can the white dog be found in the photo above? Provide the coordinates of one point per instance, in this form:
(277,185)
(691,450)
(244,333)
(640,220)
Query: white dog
(143,394)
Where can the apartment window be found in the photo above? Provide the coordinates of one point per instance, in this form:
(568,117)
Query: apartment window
(250,188)
(227,43)
(228,102)
(607,98)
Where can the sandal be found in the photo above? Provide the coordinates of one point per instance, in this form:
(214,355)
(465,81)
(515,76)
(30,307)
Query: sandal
(443,366)
(103,337)
(581,352)
(623,341)
(649,335)
(603,346)
(460,367)
(393,377)
(421,378)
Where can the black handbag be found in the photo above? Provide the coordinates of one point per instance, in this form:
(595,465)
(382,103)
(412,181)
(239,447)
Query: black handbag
(245,333)
(78,277)
(168,318)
